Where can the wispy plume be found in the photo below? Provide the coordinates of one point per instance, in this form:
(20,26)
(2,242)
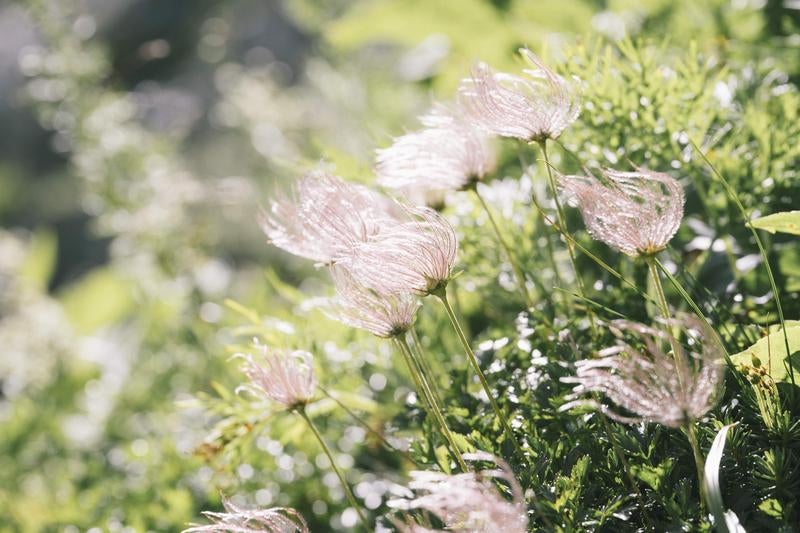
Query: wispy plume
(384,315)
(285,377)
(325,217)
(538,106)
(450,153)
(652,384)
(468,502)
(415,256)
(636,213)
(238,520)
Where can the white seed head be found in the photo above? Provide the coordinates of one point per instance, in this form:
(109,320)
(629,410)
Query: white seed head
(468,502)
(285,377)
(415,256)
(636,213)
(384,315)
(450,153)
(238,520)
(325,217)
(652,385)
(538,106)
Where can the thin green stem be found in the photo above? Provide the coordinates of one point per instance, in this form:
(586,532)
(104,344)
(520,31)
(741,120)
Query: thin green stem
(518,273)
(366,426)
(556,272)
(424,390)
(697,311)
(608,268)
(746,216)
(699,462)
(442,295)
(427,370)
(347,491)
(662,303)
(562,223)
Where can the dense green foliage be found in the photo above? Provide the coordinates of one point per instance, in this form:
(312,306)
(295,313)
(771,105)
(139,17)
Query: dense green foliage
(118,406)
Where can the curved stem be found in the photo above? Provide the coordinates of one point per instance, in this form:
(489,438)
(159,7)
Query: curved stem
(608,268)
(735,197)
(435,411)
(562,223)
(441,293)
(366,426)
(518,273)
(697,311)
(347,491)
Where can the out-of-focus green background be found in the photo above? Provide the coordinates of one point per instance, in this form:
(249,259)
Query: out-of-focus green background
(139,140)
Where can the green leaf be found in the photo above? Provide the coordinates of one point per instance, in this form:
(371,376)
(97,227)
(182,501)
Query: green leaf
(772,507)
(770,352)
(654,476)
(99,299)
(41,259)
(786,222)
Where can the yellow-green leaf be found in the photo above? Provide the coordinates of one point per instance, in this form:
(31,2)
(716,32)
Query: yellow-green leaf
(770,352)
(786,222)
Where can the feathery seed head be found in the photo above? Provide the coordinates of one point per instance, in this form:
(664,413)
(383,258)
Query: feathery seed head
(238,520)
(449,154)
(468,502)
(535,107)
(652,384)
(414,256)
(636,213)
(281,376)
(326,217)
(384,315)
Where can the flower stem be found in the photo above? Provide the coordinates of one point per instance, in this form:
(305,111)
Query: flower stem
(347,491)
(562,223)
(549,248)
(518,273)
(662,303)
(435,410)
(425,366)
(441,293)
(699,462)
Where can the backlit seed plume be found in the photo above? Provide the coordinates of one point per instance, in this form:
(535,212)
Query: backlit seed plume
(415,256)
(636,213)
(238,520)
(450,153)
(651,384)
(384,315)
(325,217)
(468,502)
(280,375)
(535,107)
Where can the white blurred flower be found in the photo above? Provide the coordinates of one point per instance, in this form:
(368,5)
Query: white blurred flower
(326,217)
(636,213)
(536,107)
(280,375)
(384,315)
(415,256)
(238,520)
(652,384)
(449,154)
(468,502)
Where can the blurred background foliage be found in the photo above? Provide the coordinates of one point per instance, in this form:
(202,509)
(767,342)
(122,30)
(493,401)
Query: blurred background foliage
(142,137)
